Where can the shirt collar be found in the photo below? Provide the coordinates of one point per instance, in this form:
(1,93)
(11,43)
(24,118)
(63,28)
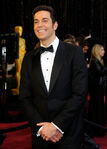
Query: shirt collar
(55,44)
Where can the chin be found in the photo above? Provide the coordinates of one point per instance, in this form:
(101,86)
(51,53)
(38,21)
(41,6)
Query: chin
(40,38)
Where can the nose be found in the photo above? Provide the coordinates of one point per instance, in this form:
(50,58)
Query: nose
(40,23)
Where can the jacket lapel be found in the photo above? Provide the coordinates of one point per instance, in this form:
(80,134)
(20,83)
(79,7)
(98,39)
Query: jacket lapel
(58,63)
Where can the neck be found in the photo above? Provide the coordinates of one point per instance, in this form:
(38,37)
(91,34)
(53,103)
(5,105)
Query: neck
(47,42)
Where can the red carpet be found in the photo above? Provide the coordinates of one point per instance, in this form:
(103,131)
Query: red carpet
(102,142)
(21,139)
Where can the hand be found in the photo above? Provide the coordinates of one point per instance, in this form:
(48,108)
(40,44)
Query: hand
(49,132)
(56,137)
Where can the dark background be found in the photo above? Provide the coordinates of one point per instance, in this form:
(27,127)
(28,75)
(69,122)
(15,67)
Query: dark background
(74,16)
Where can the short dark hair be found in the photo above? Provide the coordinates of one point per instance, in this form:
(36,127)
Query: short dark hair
(46,8)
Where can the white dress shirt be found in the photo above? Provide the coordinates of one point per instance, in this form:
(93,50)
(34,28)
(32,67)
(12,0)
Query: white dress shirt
(47,60)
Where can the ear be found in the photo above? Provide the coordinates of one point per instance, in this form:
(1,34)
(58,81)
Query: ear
(55,25)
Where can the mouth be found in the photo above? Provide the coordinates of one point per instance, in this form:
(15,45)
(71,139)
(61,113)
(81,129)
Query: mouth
(41,31)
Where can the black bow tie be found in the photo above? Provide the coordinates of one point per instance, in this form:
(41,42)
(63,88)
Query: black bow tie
(49,49)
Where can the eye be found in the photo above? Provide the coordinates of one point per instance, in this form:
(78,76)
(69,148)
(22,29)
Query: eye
(35,21)
(45,20)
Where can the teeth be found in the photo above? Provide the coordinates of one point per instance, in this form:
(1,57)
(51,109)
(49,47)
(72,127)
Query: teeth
(41,31)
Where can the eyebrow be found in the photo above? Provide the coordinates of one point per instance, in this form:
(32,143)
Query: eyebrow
(43,19)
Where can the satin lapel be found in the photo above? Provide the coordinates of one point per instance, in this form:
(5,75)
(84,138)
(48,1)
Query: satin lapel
(58,63)
(37,72)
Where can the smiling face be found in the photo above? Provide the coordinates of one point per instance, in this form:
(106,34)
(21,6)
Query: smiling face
(44,28)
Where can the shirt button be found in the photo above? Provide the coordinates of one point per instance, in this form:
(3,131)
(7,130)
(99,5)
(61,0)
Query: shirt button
(47,58)
(46,69)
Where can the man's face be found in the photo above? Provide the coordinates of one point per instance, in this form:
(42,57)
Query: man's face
(85,49)
(43,26)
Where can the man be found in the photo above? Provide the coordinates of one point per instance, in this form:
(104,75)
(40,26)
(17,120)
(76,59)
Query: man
(53,87)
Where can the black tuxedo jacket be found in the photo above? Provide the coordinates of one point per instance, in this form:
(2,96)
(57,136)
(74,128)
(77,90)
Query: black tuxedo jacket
(65,102)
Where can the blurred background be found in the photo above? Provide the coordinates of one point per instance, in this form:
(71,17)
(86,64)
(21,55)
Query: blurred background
(74,17)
